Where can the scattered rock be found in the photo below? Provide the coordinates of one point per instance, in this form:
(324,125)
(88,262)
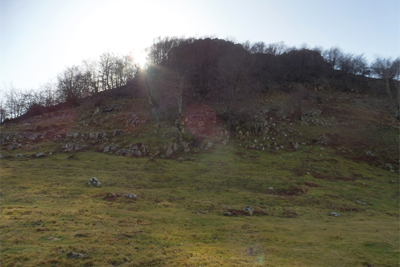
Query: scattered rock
(99,135)
(249,210)
(120,152)
(209,145)
(295,145)
(107,149)
(130,152)
(109,108)
(133,196)
(12,146)
(94,182)
(169,152)
(112,195)
(75,255)
(69,147)
(118,132)
(40,155)
(228,213)
(336,214)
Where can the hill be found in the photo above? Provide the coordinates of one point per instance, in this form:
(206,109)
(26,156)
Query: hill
(290,177)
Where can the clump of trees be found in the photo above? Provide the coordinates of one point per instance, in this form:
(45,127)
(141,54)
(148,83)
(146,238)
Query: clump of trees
(110,71)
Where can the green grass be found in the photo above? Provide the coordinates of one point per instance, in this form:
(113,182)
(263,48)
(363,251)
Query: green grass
(48,210)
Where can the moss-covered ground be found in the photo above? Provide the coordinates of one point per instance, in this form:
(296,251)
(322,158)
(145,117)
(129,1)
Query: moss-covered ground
(48,210)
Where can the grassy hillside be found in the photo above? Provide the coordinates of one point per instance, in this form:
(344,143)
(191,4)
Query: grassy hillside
(341,157)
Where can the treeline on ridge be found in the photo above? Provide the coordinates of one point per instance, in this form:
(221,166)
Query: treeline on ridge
(182,71)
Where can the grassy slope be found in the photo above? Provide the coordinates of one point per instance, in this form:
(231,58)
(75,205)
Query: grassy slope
(48,210)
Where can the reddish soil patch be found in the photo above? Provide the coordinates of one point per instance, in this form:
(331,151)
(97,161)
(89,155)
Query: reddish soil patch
(311,184)
(291,191)
(327,177)
(371,160)
(110,197)
(244,213)
(320,175)
(333,196)
(202,121)
(290,214)
(345,178)
(348,209)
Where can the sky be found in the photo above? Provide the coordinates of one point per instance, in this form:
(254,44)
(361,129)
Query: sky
(40,38)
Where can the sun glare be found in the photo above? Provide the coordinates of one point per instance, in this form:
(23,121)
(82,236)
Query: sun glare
(140,58)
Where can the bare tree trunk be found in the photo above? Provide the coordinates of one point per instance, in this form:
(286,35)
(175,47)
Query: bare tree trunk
(388,89)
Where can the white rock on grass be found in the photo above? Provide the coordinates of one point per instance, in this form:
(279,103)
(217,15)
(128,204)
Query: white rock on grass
(249,210)
(94,182)
(133,196)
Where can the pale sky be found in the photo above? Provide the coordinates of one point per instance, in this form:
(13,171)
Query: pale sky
(39,38)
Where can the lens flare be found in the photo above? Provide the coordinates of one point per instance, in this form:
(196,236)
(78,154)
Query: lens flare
(140,58)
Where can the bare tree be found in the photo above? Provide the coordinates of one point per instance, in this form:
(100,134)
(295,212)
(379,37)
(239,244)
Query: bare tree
(277,48)
(332,56)
(3,111)
(234,77)
(295,104)
(345,63)
(360,66)
(386,69)
(177,83)
(13,104)
(71,84)
(258,48)
(90,68)
(48,94)
(105,70)
(159,52)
